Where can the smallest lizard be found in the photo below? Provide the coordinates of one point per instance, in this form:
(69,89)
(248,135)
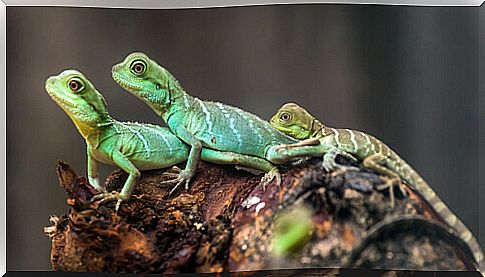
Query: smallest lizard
(318,139)
(129,145)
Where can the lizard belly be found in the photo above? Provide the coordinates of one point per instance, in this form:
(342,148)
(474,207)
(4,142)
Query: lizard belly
(101,156)
(146,146)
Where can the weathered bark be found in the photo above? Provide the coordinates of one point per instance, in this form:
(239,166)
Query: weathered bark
(227,222)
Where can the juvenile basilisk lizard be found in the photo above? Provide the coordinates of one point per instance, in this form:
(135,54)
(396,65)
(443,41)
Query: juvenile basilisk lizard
(128,145)
(295,121)
(201,124)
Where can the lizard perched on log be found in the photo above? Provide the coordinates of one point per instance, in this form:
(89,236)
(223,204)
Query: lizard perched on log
(201,124)
(299,123)
(129,145)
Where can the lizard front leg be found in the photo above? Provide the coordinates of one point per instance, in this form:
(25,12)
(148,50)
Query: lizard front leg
(305,142)
(192,161)
(133,174)
(284,153)
(93,176)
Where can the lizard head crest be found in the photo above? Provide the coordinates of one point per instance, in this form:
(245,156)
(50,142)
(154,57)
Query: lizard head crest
(147,80)
(77,96)
(294,121)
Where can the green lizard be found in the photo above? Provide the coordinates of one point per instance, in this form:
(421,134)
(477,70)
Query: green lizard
(201,124)
(298,123)
(129,145)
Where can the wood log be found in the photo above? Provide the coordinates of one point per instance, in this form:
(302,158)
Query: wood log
(228,222)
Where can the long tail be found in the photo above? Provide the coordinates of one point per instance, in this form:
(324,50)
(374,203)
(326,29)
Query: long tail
(417,183)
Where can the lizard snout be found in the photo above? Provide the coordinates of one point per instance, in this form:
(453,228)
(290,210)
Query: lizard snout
(50,82)
(115,68)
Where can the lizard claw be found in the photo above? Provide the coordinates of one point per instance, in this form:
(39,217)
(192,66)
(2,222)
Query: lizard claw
(282,147)
(107,196)
(269,176)
(178,184)
(177,170)
(306,142)
(178,178)
(389,184)
(94,182)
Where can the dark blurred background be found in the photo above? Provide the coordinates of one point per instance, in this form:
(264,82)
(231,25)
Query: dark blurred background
(408,75)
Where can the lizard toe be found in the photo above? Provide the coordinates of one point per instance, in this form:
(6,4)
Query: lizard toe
(175,187)
(103,198)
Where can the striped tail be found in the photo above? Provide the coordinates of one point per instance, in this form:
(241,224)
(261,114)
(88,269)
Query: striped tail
(417,183)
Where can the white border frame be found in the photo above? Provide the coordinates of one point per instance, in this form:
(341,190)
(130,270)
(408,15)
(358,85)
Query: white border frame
(142,4)
(178,4)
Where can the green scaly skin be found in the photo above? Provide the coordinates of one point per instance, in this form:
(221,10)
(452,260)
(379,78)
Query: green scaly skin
(130,146)
(201,124)
(318,139)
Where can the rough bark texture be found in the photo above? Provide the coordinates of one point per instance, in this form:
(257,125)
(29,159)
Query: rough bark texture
(227,222)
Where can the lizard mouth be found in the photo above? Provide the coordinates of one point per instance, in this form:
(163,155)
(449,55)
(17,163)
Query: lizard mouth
(64,103)
(61,101)
(122,81)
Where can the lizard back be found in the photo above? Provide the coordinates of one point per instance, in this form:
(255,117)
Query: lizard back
(228,128)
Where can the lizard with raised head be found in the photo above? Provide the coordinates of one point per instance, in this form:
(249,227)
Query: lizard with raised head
(295,121)
(129,145)
(201,124)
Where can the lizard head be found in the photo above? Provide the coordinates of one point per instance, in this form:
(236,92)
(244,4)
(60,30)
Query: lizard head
(147,80)
(294,121)
(77,96)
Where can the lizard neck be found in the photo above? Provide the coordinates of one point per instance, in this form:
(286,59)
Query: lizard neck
(175,99)
(317,129)
(90,130)
(179,101)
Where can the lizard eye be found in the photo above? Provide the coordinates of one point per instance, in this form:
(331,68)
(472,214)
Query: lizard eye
(76,85)
(285,117)
(138,67)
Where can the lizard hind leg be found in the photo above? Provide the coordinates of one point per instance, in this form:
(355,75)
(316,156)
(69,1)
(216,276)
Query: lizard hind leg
(375,162)
(124,163)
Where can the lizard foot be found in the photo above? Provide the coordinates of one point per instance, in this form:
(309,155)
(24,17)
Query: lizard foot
(269,176)
(105,197)
(94,182)
(389,184)
(178,178)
